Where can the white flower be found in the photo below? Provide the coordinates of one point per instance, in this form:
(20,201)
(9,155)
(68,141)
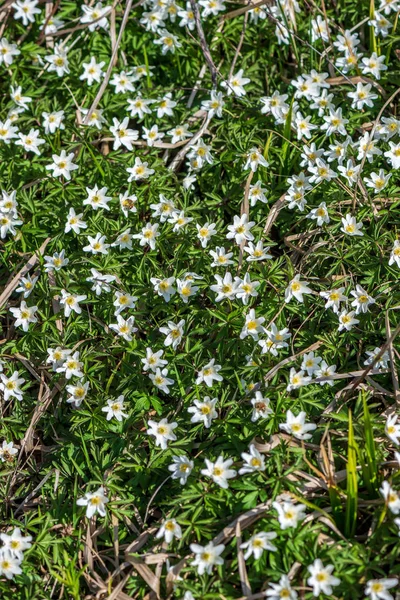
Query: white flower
(122,134)
(374,65)
(207,556)
(167,41)
(57,356)
(7,52)
(321,172)
(153,360)
(55,262)
(377,181)
(325,371)
(392,429)
(77,393)
(128,203)
(71,302)
(368,148)
(97,198)
(165,106)
(219,471)
(7,451)
(275,340)
(319,29)
(224,288)
(139,107)
(253,461)
(181,468)
(297,426)
(297,379)
(124,328)
(123,241)
(321,579)
(289,514)
(168,530)
(211,7)
(320,214)
(31,141)
(391,497)
(185,289)
(204,233)
(152,135)
(296,289)
(257,194)
(115,409)
(334,123)
(11,386)
(161,381)
(310,363)
(350,226)
(123,82)
(254,159)
(94,502)
(274,104)
(26,285)
(258,543)
(362,96)
(378,588)
(261,407)
(7,131)
(209,373)
(26,11)
(9,565)
(97,245)
(163,432)
(164,287)
(201,154)
(71,366)
(334,298)
(381,363)
(257,252)
(58,61)
(16,543)
(347,320)
(179,133)
(53,121)
(179,221)
(245,288)
(20,100)
(95,13)
(253,326)
(100,281)
(74,222)
(240,230)
(95,119)
(204,411)
(281,590)
(235,84)
(148,235)
(24,315)
(215,105)
(123,301)
(362,300)
(173,333)
(394,155)
(62,165)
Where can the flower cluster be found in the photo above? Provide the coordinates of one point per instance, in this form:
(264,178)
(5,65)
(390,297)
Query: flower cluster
(198,310)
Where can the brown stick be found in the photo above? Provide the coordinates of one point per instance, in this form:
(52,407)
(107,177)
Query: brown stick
(111,63)
(8,290)
(203,43)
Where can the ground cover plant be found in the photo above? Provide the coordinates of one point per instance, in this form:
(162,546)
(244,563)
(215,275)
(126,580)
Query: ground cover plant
(199,296)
